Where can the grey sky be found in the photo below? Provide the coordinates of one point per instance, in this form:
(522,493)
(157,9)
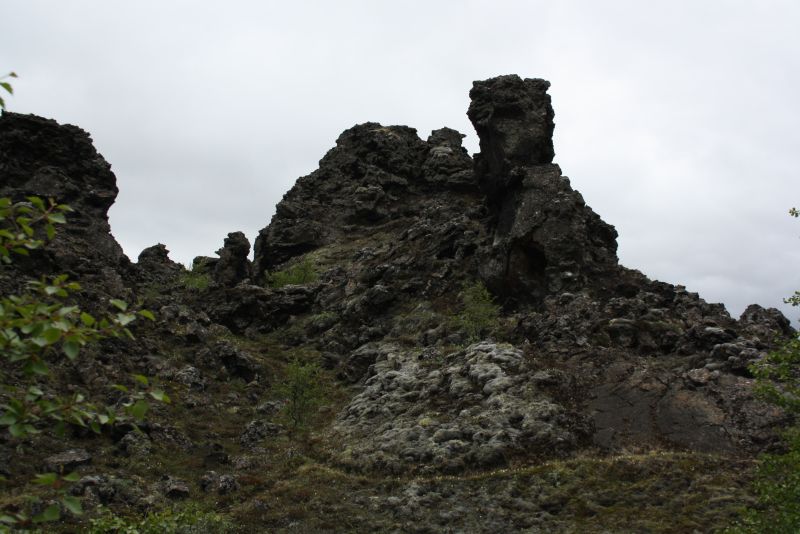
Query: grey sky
(676,120)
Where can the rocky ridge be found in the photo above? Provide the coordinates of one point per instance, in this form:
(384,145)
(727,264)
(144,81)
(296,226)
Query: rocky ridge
(590,358)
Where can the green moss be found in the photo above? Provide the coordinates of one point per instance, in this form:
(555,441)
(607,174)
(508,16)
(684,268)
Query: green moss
(301,273)
(195,280)
(189,519)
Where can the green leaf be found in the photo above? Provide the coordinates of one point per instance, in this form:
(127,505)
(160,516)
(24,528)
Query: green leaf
(120,387)
(39,367)
(87,319)
(119,304)
(52,335)
(45,479)
(95,426)
(51,513)
(72,477)
(57,218)
(37,202)
(147,314)
(52,290)
(71,349)
(139,409)
(160,396)
(142,380)
(17,430)
(7,87)
(125,318)
(8,419)
(72,504)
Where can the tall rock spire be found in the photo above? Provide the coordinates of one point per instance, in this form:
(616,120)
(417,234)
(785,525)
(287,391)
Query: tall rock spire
(546,239)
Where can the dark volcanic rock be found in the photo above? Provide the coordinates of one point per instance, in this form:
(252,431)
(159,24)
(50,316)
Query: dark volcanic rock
(375,175)
(546,239)
(67,461)
(154,263)
(375,247)
(43,158)
(233,266)
(514,121)
(253,308)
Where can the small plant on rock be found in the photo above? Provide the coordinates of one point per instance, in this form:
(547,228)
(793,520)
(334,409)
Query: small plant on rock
(479,314)
(303,272)
(195,280)
(303,393)
(190,519)
(777,481)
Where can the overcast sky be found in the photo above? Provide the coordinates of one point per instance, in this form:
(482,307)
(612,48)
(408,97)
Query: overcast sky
(677,121)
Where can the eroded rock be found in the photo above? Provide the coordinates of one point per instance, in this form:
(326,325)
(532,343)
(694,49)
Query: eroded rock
(426,412)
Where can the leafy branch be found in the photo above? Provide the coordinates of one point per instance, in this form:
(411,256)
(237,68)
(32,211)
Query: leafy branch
(7,86)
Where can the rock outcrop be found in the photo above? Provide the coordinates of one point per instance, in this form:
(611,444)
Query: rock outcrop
(587,359)
(398,221)
(43,158)
(427,412)
(233,266)
(546,240)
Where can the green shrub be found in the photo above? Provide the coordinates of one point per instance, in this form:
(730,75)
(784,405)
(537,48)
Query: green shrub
(189,519)
(777,481)
(7,87)
(479,314)
(195,280)
(39,327)
(303,393)
(303,272)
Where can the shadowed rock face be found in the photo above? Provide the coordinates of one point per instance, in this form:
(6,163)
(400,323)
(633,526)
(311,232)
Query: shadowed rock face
(514,121)
(233,265)
(43,158)
(376,175)
(546,239)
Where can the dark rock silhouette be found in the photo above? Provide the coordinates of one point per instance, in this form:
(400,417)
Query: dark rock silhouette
(43,158)
(514,121)
(546,240)
(233,266)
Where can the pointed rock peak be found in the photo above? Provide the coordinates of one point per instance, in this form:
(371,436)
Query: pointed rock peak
(155,254)
(446,137)
(372,135)
(514,121)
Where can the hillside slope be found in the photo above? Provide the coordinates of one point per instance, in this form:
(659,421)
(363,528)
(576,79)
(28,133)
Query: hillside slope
(600,400)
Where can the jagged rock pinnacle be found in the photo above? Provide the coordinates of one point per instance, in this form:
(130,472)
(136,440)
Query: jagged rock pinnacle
(514,121)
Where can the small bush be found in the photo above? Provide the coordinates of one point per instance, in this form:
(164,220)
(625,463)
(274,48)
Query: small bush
(777,480)
(303,393)
(198,281)
(479,314)
(190,519)
(303,272)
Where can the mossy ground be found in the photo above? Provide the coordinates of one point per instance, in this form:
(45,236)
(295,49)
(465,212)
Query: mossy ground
(290,487)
